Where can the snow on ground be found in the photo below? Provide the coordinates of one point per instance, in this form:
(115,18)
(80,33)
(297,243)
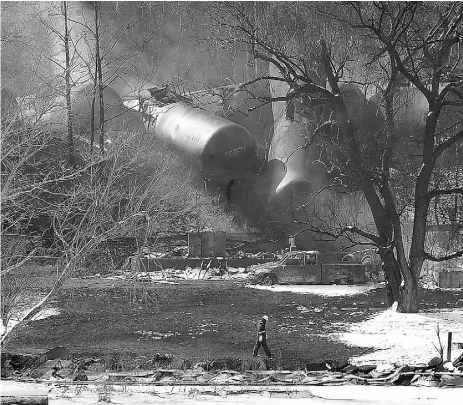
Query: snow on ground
(398,338)
(324,290)
(320,395)
(187,395)
(14,320)
(139,399)
(405,338)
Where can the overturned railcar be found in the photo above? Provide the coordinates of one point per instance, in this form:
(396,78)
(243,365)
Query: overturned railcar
(287,160)
(290,168)
(225,150)
(293,158)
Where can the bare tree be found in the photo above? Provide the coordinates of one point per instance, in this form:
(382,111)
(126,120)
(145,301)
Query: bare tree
(98,84)
(103,198)
(99,70)
(67,80)
(387,44)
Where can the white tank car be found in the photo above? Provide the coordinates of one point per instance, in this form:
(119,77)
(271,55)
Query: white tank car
(224,149)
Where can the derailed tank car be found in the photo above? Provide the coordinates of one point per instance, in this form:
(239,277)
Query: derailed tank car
(225,150)
(290,168)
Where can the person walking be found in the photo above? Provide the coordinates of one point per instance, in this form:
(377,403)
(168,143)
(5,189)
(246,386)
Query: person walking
(262,338)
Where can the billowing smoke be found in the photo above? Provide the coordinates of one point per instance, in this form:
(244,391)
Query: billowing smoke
(150,44)
(142,44)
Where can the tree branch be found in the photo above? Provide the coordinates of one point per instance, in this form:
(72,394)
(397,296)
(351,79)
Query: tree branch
(454,255)
(449,191)
(447,144)
(18,264)
(318,192)
(375,239)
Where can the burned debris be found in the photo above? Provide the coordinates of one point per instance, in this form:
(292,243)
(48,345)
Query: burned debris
(172,370)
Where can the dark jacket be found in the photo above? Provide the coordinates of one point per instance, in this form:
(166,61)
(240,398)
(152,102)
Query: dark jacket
(261,329)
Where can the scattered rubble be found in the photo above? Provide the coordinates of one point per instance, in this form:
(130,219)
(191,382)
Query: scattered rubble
(173,276)
(429,282)
(181,251)
(434,373)
(155,335)
(177,251)
(260,255)
(170,370)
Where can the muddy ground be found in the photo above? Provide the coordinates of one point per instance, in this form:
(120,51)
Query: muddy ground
(201,320)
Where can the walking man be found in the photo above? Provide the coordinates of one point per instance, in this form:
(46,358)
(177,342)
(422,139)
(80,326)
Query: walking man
(262,338)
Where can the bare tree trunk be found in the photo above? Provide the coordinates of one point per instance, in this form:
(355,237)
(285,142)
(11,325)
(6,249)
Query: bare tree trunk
(67,79)
(410,295)
(92,118)
(421,207)
(100,73)
(393,278)
(39,306)
(381,218)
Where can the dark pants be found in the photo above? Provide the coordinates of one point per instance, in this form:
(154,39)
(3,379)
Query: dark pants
(264,345)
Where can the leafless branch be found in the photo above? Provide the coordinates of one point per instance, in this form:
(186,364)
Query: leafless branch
(447,144)
(11,267)
(449,191)
(315,195)
(454,255)
(440,349)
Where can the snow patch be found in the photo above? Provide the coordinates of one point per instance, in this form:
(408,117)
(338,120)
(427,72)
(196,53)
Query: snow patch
(44,313)
(405,338)
(323,290)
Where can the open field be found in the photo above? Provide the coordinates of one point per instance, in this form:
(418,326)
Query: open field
(202,320)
